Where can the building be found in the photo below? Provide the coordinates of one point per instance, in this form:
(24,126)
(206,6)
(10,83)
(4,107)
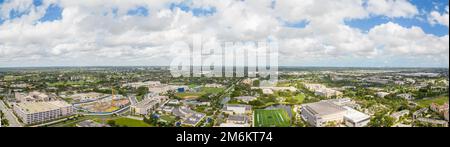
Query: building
(143,84)
(433,121)
(320,113)
(441,109)
(270,90)
(188,116)
(214,85)
(39,112)
(355,118)
(267,91)
(32,97)
(446,115)
(237,119)
(246,99)
(322,90)
(148,105)
(87,97)
(237,109)
(233,125)
(406,96)
(398,115)
(382,94)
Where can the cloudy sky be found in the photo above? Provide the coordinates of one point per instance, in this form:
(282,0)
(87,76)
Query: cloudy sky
(360,33)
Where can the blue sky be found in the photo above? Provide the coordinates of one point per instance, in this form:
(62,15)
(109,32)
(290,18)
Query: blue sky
(310,33)
(420,20)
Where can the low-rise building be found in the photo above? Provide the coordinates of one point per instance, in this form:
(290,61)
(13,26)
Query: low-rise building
(237,109)
(188,116)
(446,115)
(355,118)
(39,112)
(398,115)
(322,90)
(148,105)
(246,99)
(86,97)
(320,113)
(382,94)
(406,96)
(237,119)
(34,96)
(439,108)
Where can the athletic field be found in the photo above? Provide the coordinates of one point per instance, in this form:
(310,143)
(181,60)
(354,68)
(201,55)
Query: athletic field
(271,118)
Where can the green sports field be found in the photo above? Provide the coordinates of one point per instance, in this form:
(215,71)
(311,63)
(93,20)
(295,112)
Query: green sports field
(271,118)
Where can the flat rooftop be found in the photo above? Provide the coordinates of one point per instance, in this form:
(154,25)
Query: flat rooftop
(355,115)
(36,107)
(324,108)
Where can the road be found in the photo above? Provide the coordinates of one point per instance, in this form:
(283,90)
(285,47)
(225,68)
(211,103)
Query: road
(12,119)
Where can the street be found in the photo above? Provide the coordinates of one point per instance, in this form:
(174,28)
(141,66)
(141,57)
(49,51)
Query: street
(13,122)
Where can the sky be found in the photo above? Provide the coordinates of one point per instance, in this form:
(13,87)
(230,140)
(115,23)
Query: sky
(331,33)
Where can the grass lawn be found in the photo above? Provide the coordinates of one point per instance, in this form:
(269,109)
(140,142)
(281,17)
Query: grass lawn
(298,99)
(167,118)
(205,90)
(439,100)
(131,122)
(271,118)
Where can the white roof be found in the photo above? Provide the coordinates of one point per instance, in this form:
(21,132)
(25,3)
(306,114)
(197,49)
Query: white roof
(233,125)
(355,115)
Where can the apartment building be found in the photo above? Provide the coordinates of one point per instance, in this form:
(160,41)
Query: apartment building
(39,112)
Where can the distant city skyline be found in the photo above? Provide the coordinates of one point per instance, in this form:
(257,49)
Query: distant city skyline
(310,33)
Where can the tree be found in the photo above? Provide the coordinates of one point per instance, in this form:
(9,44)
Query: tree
(381,120)
(112,123)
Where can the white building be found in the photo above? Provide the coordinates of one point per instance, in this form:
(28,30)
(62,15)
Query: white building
(398,115)
(322,90)
(142,84)
(246,99)
(382,94)
(237,109)
(355,118)
(85,97)
(34,96)
(406,96)
(39,112)
(320,113)
(148,105)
